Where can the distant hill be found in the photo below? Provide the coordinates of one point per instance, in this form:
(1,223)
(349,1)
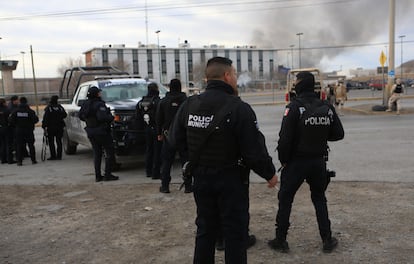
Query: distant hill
(408,66)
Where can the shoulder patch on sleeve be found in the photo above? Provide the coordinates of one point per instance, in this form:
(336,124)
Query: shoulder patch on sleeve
(286,111)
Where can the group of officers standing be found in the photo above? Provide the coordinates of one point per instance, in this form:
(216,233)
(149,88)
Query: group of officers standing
(217,135)
(218,138)
(17,124)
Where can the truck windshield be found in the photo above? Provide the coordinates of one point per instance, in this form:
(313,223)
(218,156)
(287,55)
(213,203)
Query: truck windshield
(123,91)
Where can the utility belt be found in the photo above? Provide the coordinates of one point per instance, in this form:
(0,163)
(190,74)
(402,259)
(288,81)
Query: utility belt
(189,168)
(97,130)
(303,156)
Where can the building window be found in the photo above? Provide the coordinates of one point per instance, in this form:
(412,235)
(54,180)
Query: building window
(261,63)
(214,53)
(249,61)
(190,65)
(238,61)
(177,62)
(203,57)
(271,68)
(135,65)
(163,61)
(105,57)
(149,64)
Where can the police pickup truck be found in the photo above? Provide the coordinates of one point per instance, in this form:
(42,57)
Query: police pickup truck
(121,93)
(291,79)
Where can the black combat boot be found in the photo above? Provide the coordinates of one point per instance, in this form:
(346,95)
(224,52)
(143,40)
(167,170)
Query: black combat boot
(110,177)
(251,241)
(188,188)
(164,189)
(329,244)
(279,243)
(98,178)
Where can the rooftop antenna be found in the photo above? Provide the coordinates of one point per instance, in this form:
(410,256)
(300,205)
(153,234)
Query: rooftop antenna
(146,21)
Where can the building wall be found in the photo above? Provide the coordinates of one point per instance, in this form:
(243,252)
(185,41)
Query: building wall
(189,59)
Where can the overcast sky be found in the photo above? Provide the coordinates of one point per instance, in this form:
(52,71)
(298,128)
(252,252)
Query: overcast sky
(336,33)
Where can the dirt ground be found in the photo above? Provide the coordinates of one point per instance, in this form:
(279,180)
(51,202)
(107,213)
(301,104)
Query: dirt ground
(106,223)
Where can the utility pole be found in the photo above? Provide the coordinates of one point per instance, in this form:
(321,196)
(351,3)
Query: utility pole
(34,81)
(401,66)
(24,70)
(159,55)
(300,57)
(291,54)
(391,63)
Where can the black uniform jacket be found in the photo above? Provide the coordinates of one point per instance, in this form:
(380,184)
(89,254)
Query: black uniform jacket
(243,123)
(167,108)
(97,117)
(23,118)
(53,116)
(289,128)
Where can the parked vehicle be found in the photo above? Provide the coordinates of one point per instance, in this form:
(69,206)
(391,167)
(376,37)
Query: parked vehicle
(291,78)
(356,85)
(377,85)
(121,92)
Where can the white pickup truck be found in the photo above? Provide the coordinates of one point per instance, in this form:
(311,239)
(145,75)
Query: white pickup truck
(121,93)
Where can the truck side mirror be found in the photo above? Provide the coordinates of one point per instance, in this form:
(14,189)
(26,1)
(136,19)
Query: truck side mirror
(81,102)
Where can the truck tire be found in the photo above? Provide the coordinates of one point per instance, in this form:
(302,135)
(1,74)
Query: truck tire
(68,146)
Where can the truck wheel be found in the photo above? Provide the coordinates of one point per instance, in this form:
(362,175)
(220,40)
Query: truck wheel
(68,146)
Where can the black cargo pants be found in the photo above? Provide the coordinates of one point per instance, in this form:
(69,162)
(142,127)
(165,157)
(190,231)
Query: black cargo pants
(222,199)
(313,170)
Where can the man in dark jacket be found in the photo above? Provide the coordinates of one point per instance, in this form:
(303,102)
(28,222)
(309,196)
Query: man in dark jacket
(224,143)
(98,120)
(53,125)
(167,108)
(23,119)
(11,141)
(4,126)
(307,125)
(146,109)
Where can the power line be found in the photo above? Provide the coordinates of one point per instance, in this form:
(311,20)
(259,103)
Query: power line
(167,6)
(196,50)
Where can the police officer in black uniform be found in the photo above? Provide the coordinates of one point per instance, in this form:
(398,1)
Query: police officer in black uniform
(11,141)
(146,109)
(4,126)
(53,125)
(23,119)
(167,108)
(307,125)
(221,161)
(98,120)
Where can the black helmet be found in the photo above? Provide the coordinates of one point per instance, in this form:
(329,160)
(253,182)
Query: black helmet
(93,92)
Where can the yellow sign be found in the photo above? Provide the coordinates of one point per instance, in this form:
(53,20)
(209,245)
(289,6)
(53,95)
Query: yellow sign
(382,58)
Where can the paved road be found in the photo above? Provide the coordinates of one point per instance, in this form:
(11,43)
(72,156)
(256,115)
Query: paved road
(375,148)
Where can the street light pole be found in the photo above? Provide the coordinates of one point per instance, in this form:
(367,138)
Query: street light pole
(186,63)
(300,57)
(24,68)
(291,53)
(401,74)
(159,55)
(2,81)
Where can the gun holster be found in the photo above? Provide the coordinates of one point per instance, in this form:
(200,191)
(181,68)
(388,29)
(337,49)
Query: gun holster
(187,170)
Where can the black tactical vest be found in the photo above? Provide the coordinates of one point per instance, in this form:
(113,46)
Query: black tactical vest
(313,128)
(220,149)
(398,88)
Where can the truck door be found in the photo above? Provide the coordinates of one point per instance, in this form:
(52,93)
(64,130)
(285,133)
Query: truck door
(77,130)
